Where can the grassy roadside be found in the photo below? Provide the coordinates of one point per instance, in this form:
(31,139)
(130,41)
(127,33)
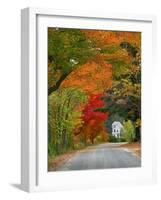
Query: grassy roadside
(55,162)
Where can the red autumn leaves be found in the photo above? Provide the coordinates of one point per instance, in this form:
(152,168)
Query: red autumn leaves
(94,120)
(89,112)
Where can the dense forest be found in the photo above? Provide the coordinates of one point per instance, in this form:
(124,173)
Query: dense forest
(94,79)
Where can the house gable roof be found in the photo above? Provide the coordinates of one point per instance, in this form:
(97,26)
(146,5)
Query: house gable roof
(117,123)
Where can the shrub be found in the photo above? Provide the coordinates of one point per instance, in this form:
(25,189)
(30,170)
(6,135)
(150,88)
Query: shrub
(79,145)
(115,139)
(129,131)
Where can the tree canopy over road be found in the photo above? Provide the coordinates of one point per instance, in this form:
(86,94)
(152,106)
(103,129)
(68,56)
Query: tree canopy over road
(94,78)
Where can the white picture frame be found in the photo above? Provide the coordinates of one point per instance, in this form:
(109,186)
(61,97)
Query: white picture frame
(34,176)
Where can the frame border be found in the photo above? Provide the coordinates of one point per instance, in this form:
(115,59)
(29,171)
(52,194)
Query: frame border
(29,168)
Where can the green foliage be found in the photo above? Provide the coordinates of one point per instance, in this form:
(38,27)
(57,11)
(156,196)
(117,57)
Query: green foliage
(124,97)
(98,139)
(63,117)
(115,139)
(79,145)
(67,49)
(120,67)
(129,131)
(110,49)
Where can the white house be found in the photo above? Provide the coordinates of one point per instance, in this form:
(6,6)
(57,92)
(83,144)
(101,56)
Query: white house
(116,129)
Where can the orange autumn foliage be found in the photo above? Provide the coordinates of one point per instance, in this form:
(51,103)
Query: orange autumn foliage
(104,38)
(93,77)
(90,132)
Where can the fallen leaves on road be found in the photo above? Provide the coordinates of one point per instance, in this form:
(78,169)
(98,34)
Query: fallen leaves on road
(134,147)
(60,160)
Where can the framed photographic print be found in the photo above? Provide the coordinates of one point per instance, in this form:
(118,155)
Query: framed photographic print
(86,99)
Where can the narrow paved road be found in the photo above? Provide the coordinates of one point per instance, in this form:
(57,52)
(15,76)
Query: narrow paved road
(102,156)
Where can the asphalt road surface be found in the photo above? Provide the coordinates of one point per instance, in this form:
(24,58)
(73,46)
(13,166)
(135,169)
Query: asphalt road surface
(102,156)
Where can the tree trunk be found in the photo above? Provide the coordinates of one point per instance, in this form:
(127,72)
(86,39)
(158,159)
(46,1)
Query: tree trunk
(57,85)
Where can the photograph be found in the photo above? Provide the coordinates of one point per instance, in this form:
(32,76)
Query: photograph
(94,99)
